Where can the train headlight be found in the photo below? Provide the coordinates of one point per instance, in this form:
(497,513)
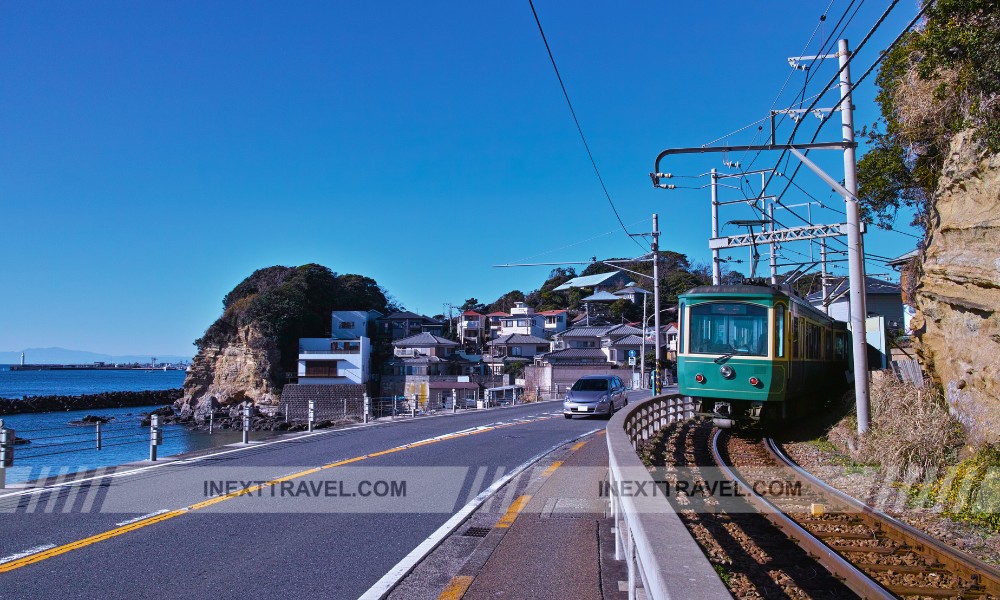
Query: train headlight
(754,381)
(699,378)
(726,371)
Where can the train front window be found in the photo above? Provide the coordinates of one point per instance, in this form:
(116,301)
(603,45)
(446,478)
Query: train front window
(728,328)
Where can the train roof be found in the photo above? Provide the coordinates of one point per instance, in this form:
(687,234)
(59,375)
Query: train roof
(741,290)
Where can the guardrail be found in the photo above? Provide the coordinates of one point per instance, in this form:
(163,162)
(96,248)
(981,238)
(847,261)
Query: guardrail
(660,553)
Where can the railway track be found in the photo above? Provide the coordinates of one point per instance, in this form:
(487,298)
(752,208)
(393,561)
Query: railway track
(874,554)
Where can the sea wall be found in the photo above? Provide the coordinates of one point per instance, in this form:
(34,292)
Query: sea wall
(37,404)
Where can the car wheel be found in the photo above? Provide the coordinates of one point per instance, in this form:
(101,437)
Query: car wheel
(568,416)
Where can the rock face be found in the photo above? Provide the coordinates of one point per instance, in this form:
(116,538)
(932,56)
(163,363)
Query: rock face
(959,294)
(222,375)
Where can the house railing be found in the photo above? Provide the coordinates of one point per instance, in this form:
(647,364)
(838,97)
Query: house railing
(662,558)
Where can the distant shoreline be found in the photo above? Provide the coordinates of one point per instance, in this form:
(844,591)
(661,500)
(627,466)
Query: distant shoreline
(40,404)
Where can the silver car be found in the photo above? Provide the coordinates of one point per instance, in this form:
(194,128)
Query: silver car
(595,395)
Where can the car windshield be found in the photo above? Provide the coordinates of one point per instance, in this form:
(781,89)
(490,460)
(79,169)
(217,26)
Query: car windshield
(729,328)
(591,385)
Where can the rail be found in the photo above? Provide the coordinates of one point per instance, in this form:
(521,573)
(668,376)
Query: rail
(657,548)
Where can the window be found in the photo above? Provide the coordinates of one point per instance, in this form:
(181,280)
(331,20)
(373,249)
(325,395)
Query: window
(813,341)
(515,351)
(345,347)
(590,385)
(729,327)
(347,324)
(779,330)
(541,349)
(321,368)
(841,349)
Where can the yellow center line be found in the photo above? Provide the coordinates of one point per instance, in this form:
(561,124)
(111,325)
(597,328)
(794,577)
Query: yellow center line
(578,445)
(456,588)
(515,508)
(100,537)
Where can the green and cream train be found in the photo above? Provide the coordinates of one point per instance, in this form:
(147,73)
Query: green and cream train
(757,353)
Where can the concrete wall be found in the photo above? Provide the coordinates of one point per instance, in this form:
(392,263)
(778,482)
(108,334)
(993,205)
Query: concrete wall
(548,376)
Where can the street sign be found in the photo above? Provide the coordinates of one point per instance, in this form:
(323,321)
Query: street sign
(631,361)
(631,353)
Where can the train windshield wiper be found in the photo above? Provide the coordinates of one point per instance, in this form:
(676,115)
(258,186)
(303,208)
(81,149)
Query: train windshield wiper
(724,357)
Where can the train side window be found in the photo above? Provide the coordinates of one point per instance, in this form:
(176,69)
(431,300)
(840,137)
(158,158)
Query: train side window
(779,330)
(680,330)
(841,346)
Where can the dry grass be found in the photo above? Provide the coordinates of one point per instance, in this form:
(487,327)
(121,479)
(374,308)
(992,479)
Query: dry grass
(910,430)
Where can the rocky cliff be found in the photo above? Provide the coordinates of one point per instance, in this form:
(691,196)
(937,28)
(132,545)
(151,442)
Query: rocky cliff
(223,374)
(959,293)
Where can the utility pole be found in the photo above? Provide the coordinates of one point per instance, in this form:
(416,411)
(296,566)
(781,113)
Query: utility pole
(823,277)
(642,356)
(716,275)
(656,301)
(855,252)
(774,245)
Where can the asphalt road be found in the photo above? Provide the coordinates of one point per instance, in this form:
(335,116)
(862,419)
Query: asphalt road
(347,506)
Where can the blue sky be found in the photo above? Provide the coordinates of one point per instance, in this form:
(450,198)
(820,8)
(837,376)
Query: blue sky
(155,154)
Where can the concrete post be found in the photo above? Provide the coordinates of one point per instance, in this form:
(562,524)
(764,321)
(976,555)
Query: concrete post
(312,414)
(211,421)
(7,438)
(345,408)
(97,431)
(154,436)
(366,407)
(246,423)
(413,407)
(454,400)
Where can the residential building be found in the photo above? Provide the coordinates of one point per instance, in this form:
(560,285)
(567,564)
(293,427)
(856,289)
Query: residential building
(405,324)
(514,347)
(556,321)
(522,320)
(494,325)
(632,293)
(883,298)
(471,329)
(613,342)
(342,358)
(424,358)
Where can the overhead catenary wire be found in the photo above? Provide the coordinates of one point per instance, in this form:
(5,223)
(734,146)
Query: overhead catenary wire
(579,129)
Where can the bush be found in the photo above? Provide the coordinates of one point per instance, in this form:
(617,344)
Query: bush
(910,430)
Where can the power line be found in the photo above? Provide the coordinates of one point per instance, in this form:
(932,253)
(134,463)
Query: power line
(577,121)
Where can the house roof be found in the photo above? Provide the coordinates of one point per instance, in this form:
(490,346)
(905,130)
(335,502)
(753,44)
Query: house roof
(471,313)
(601,297)
(585,331)
(423,340)
(623,330)
(498,314)
(516,338)
(901,260)
(629,340)
(631,289)
(588,281)
(549,313)
(873,286)
(405,314)
(576,353)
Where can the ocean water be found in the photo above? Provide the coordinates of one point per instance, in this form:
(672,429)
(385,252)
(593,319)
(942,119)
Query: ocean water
(17,384)
(58,446)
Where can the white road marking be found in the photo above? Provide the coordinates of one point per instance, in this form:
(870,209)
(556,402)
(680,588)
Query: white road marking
(142,518)
(27,552)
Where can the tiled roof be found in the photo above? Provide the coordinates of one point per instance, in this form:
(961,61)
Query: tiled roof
(516,338)
(424,339)
(631,289)
(623,330)
(397,316)
(498,314)
(576,353)
(471,313)
(552,312)
(629,340)
(594,331)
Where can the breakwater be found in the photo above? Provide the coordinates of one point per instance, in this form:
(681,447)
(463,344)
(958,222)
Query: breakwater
(40,404)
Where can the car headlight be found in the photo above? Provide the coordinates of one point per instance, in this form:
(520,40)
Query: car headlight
(603,400)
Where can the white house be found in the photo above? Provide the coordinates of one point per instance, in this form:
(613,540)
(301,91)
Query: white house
(522,320)
(342,358)
(556,321)
(471,328)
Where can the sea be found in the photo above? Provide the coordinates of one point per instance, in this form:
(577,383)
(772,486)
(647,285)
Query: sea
(58,446)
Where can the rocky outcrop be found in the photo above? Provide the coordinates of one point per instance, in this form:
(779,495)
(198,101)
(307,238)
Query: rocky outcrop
(245,368)
(959,294)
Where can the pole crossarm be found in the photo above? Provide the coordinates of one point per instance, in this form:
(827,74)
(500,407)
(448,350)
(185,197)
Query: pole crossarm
(792,234)
(656,175)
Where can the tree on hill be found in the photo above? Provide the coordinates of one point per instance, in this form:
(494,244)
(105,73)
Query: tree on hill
(506,302)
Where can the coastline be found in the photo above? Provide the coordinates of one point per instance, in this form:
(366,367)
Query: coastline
(42,404)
